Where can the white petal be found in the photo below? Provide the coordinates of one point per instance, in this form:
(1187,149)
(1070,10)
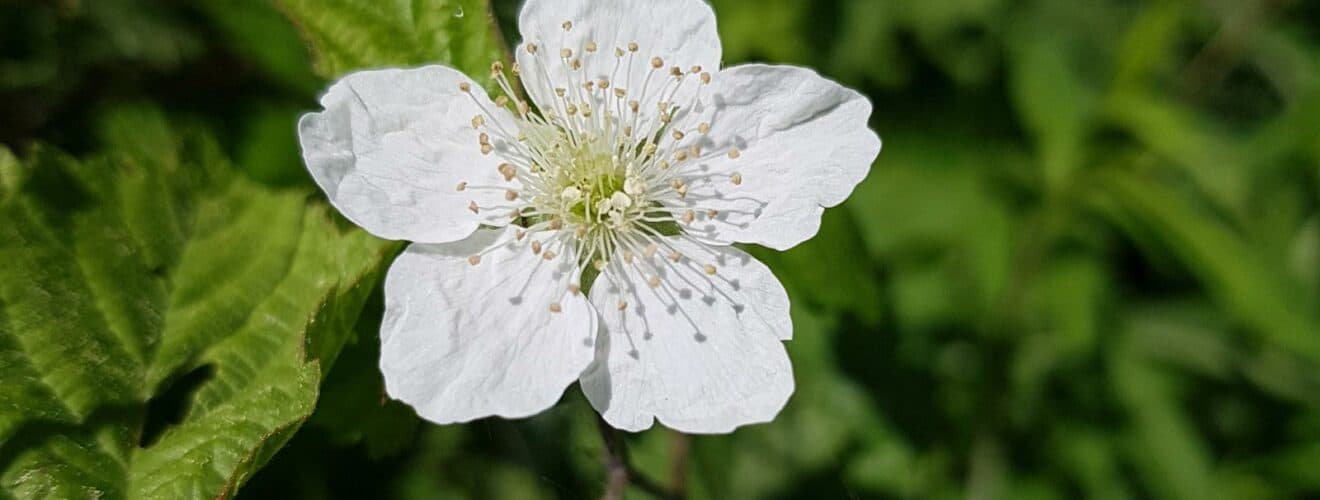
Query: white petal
(680,32)
(460,342)
(802,144)
(391,148)
(701,353)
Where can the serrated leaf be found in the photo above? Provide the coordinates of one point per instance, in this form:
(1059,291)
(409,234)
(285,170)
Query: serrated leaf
(124,274)
(346,35)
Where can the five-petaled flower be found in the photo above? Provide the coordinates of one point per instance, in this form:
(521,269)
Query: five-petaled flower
(586,235)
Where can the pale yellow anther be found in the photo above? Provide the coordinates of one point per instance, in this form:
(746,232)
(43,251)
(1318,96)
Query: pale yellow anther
(681,155)
(676,71)
(664,164)
(501,101)
(523,107)
(576,64)
(734,154)
(461,186)
(648,149)
(519,234)
(560,91)
(651,250)
(474,260)
(571,109)
(586,111)
(565,53)
(531,48)
(654,282)
(516,69)
(627,131)
(675,256)
(657,62)
(465,86)
(695,69)
(556,223)
(622,305)
(695,151)
(486,148)
(548,255)
(634,106)
(478,121)
(483,138)
(574,289)
(568,25)
(496,68)
(580,231)
(675,183)
(618,92)
(510,195)
(735,178)
(507,170)
(536,247)
(555,307)
(703,128)
(665,117)
(599,265)
(618,52)
(678,135)
(711,213)
(689,216)
(705,78)
(603,84)
(591,47)
(628,257)
(473,207)
(632,47)
(710,269)
(682,191)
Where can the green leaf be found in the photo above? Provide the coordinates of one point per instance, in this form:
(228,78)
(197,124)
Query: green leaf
(151,279)
(346,35)
(1256,293)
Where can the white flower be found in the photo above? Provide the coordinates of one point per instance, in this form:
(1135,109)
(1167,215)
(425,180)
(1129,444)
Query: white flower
(638,161)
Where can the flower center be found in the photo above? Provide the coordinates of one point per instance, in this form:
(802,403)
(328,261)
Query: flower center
(595,165)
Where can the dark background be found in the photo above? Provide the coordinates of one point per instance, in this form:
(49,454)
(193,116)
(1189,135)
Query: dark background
(1086,264)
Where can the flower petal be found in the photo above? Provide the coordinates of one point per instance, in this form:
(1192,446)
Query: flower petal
(680,32)
(701,352)
(391,148)
(462,341)
(801,144)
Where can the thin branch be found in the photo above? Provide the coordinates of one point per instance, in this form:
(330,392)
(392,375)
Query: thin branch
(620,472)
(678,460)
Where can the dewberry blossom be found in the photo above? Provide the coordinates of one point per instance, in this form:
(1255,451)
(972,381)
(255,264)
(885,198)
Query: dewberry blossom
(585,234)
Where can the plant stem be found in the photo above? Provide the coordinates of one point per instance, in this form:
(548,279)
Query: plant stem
(619,471)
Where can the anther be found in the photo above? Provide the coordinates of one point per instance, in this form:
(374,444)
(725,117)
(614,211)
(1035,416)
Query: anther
(632,47)
(712,213)
(634,106)
(736,178)
(510,195)
(580,231)
(676,71)
(496,68)
(618,92)
(599,265)
(704,128)
(483,138)
(523,107)
(461,186)
(591,47)
(508,171)
(501,101)
(734,154)
(560,91)
(536,247)
(603,84)
(705,78)
(556,223)
(486,148)
(531,48)
(516,69)
(474,260)
(574,289)
(548,255)
(519,234)
(695,151)
(710,269)
(628,257)
(555,307)
(681,155)
(565,53)
(695,69)
(618,52)
(688,217)
(465,86)
(675,256)
(657,62)
(568,25)
(678,135)
(478,121)
(576,64)
(650,250)
(622,305)
(654,282)
(473,207)
(676,183)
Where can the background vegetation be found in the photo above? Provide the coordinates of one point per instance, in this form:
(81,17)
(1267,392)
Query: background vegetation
(1086,265)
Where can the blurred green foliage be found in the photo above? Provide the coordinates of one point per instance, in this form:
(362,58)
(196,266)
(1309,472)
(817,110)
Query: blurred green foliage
(1086,265)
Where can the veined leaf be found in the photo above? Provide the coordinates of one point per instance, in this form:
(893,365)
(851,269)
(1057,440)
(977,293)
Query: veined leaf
(154,276)
(346,35)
